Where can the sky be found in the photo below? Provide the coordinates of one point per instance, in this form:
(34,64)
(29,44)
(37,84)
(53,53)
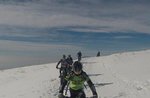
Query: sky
(40,31)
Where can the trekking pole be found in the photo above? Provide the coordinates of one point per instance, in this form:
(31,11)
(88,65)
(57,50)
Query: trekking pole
(67,88)
(85,86)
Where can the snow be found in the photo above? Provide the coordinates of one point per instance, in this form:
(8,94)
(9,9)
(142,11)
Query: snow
(122,75)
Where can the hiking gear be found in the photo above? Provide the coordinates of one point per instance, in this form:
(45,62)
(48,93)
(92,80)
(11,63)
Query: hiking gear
(76,84)
(77,66)
(63,74)
(77,73)
(92,87)
(77,93)
(69,60)
(64,68)
(77,81)
(63,63)
(67,88)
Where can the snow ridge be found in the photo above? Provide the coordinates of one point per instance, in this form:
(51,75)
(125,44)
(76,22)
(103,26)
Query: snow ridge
(122,75)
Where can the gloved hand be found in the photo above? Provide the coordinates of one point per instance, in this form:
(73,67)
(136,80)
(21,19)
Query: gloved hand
(60,95)
(95,96)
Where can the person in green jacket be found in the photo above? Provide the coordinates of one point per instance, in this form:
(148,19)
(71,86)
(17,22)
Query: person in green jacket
(76,81)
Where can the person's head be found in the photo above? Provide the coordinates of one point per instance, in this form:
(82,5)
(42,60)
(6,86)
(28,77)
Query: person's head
(77,67)
(64,56)
(69,55)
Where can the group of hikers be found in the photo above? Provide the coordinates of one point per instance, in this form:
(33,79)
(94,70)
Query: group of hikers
(73,78)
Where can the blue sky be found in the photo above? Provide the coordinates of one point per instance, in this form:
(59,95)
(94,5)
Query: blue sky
(40,31)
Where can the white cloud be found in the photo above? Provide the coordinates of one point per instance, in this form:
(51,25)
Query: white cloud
(117,17)
(123,37)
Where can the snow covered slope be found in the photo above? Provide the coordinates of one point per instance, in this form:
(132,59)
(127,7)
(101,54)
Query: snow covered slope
(124,75)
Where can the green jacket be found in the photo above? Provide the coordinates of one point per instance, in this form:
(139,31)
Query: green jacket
(77,81)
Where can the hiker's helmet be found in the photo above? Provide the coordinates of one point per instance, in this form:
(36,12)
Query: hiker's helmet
(77,66)
(69,55)
(64,56)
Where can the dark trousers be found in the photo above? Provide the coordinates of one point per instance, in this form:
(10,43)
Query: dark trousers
(63,74)
(79,58)
(77,93)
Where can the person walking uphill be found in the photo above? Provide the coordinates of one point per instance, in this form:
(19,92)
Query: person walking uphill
(69,60)
(98,54)
(79,55)
(63,69)
(76,81)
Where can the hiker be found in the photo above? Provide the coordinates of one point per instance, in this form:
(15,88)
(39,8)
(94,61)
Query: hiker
(76,81)
(79,55)
(69,60)
(63,67)
(98,53)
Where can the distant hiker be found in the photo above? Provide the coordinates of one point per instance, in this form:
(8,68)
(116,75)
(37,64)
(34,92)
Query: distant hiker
(69,60)
(79,55)
(76,80)
(98,54)
(64,66)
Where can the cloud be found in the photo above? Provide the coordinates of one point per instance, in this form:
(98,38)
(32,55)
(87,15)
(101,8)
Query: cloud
(123,37)
(81,15)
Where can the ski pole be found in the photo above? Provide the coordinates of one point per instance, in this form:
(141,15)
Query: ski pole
(67,88)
